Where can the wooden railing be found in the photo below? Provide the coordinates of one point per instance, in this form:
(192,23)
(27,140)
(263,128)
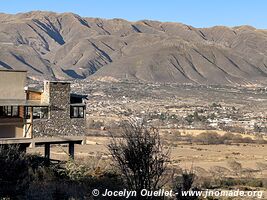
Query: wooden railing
(11,121)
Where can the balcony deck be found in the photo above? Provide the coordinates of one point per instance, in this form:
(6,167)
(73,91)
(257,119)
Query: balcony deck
(46,141)
(21,102)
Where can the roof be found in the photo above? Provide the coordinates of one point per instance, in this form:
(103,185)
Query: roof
(18,102)
(34,89)
(69,82)
(82,96)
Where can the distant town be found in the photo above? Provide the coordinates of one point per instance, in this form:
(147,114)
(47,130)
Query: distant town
(169,106)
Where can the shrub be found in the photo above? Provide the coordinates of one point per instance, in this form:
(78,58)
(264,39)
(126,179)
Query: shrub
(140,157)
(72,171)
(235,166)
(208,138)
(185,182)
(252,182)
(219,172)
(212,137)
(14,173)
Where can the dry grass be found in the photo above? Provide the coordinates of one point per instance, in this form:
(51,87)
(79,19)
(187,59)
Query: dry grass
(252,157)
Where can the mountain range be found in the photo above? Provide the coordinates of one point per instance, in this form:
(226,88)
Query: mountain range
(66,46)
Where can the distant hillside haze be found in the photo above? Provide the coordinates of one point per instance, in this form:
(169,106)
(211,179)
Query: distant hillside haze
(67,46)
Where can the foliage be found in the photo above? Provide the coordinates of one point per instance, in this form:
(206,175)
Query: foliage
(72,171)
(251,182)
(212,137)
(14,173)
(140,157)
(235,166)
(185,183)
(24,176)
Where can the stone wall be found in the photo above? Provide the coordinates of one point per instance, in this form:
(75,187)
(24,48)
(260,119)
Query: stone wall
(48,127)
(59,123)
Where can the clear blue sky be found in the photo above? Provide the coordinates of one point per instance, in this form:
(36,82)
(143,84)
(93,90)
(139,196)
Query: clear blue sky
(198,13)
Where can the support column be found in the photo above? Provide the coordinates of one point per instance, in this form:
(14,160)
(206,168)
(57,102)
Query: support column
(71,150)
(31,122)
(47,150)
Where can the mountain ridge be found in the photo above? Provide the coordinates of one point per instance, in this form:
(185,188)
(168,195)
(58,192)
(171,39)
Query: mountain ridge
(66,46)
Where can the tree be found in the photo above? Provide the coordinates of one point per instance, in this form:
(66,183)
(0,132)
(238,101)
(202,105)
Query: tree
(140,157)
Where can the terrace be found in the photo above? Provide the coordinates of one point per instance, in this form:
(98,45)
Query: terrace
(53,111)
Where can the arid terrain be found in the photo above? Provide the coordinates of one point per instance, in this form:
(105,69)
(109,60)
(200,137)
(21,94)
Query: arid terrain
(67,46)
(219,132)
(204,89)
(202,158)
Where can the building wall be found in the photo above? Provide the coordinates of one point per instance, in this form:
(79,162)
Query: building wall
(12,127)
(33,95)
(48,127)
(12,131)
(12,85)
(59,123)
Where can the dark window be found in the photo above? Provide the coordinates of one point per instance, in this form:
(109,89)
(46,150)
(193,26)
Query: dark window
(38,112)
(9,111)
(77,111)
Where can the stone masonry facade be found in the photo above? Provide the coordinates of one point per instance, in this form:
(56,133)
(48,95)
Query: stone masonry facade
(59,122)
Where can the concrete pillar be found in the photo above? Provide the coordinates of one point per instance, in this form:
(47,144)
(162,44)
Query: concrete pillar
(47,150)
(32,145)
(71,150)
(31,122)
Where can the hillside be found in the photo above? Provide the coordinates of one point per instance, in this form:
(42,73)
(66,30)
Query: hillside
(67,46)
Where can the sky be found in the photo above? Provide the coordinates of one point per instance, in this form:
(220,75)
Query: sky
(198,13)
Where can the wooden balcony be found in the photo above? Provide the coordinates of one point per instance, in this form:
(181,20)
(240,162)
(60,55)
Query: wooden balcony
(11,121)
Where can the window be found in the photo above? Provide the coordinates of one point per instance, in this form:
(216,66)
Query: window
(77,111)
(9,111)
(15,111)
(38,112)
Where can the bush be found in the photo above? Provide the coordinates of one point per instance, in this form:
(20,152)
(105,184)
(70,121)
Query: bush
(185,182)
(140,157)
(14,173)
(25,176)
(235,166)
(212,137)
(229,182)
(208,138)
(72,171)
(219,172)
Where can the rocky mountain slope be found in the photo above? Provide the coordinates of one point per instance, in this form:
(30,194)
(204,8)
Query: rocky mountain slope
(67,46)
